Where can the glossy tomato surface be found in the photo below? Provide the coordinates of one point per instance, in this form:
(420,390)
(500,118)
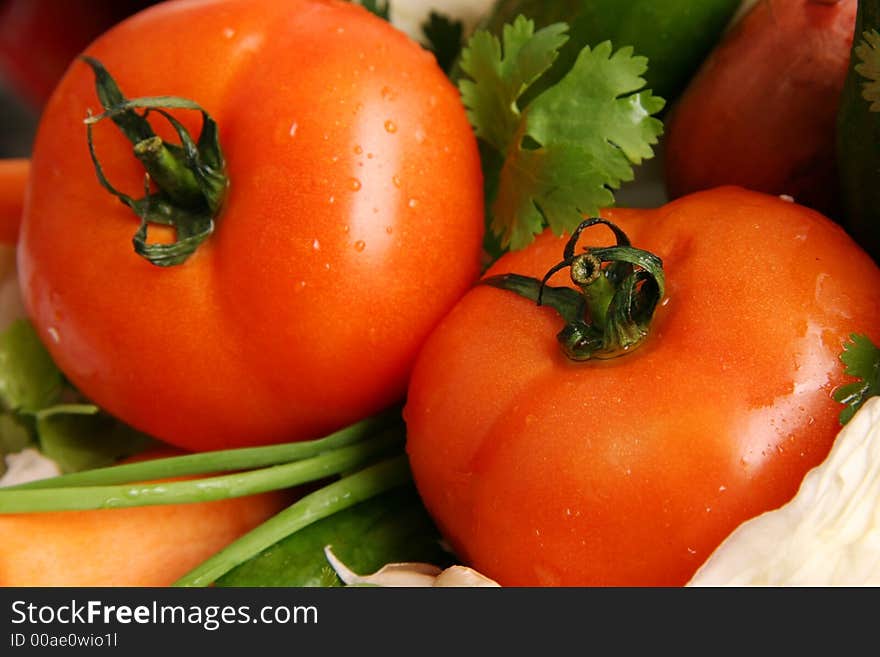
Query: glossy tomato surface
(543,471)
(352,223)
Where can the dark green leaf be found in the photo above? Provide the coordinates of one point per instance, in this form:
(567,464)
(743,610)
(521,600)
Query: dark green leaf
(78,441)
(444,37)
(862,360)
(378,7)
(868,54)
(15,435)
(392,527)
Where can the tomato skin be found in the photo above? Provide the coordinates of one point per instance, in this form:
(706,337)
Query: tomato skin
(628,472)
(353,172)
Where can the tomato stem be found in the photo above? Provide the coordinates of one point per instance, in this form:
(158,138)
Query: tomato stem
(618,289)
(189,177)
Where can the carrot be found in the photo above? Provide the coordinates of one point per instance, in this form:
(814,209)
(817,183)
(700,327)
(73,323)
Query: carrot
(141,546)
(13,179)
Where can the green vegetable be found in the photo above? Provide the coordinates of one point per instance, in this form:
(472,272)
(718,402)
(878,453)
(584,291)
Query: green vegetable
(858,133)
(675,35)
(48,498)
(324,502)
(351,452)
(29,379)
(444,37)
(377,7)
(862,360)
(392,527)
(91,439)
(568,148)
(40,407)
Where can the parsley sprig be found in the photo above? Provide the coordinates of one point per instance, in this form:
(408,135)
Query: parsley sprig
(868,66)
(862,360)
(569,148)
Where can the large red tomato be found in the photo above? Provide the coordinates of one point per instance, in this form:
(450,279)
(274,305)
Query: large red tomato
(352,223)
(544,471)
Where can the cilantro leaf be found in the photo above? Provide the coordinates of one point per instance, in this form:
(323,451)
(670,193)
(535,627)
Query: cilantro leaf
(862,360)
(573,144)
(500,77)
(868,53)
(444,37)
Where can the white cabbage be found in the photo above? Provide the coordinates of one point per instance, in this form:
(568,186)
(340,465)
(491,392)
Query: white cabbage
(828,535)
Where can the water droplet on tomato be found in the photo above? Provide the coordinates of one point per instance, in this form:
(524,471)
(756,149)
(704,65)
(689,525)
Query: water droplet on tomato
(360,245)
(332,200)
(316,245)
(420,136)
(388,93)
(390,126)
(412,203)
(54,334)
(327,266)
(389,229)
(355,184)
(358,150)
(396,181)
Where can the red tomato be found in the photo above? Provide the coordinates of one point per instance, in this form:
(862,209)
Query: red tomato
(544,471)
(761,111)
(352,223)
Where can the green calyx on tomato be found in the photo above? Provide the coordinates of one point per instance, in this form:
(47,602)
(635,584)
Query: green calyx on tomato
(619,289)
(189,177)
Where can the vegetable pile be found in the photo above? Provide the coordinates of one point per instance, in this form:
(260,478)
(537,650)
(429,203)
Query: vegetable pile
(356,307)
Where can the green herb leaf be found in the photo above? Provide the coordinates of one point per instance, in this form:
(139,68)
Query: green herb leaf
(391,527)
(82,441)
(14,434)
(29,379)
(500,77)
(444,37)
(868,53)
(377,7)
(570,147)
(862,360)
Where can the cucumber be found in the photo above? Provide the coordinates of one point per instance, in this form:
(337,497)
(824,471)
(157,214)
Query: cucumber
(675,35)
(858,144)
